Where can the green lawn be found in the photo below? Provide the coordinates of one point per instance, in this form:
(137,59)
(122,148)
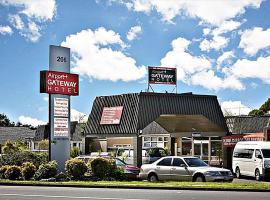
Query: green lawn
(145,184)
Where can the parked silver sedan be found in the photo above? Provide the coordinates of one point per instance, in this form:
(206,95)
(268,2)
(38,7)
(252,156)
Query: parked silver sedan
(176,168)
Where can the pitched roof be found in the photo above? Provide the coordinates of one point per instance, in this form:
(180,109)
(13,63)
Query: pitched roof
(247,124)
(75,132)
(15,133)
(140,109)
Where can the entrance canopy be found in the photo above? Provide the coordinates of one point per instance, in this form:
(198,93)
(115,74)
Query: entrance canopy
(184,125)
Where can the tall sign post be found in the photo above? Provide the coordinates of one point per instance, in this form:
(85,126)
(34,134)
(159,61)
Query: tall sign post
(60,85)
(162,75)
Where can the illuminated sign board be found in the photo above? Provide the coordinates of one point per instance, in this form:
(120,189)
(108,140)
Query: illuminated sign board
(61,127)
(111,115)
(162,75)
(59,83)
(230,141)
(61,107)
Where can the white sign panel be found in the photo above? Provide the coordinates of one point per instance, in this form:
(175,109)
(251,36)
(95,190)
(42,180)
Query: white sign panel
(60,107)
(60,127)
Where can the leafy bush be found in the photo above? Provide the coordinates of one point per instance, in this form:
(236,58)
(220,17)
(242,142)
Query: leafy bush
(102,167)
(9,147)
(118,174)
(74,152)
(46,171)
(75,168)
(43,144)
(28,170)
(3,170)
(13,172)
(18,158)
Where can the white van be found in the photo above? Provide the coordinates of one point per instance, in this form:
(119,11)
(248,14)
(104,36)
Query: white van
(252,159)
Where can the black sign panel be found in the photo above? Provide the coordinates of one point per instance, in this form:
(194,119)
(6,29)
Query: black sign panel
(162,75)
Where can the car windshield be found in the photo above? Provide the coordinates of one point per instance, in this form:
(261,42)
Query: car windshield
(119,162)
(266,153)
(195,162)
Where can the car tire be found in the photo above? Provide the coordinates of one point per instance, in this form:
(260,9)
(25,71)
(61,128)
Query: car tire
(152,177)
(237,173)
(257,175)
(199,178)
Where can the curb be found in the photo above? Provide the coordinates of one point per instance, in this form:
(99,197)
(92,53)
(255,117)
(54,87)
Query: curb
(139,187)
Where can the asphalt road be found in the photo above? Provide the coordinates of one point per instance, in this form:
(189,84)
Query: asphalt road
(59,193)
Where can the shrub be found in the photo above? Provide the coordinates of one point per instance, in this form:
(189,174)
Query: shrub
(74,152)
(3,170)
(9,147)
(28,170)
(75,168)
(18,158)
(102,167)
(13,172)
(43,144)
(46,171)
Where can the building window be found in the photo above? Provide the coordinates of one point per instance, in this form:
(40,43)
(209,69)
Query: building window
(156,141)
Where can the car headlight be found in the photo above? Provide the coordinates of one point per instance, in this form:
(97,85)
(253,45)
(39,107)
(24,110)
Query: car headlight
(212,173)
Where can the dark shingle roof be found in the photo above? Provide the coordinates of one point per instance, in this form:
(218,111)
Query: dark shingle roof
(75,132)
(15,133)
(247,124)
(140,109)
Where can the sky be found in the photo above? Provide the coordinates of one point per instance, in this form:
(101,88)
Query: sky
(219,47)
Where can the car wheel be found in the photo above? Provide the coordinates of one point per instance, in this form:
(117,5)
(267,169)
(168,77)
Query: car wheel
(257,175)
(200,178)
(153,178)
(237,172)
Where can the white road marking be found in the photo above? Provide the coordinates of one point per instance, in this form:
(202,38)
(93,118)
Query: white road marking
(69,197)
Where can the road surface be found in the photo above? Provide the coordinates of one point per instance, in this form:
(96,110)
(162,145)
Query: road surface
(66,193)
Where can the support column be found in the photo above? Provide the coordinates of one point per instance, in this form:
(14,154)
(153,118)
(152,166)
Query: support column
(192,146)
(137,151)
(209,150)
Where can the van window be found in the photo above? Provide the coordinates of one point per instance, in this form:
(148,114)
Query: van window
(257,153)
(266,153)
(243,153)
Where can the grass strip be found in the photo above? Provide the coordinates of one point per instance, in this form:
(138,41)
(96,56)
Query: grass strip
(145,184)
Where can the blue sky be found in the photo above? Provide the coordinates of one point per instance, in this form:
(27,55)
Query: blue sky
(219,48)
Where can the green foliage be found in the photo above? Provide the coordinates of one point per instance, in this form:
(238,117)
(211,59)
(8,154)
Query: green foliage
(43,144)
(13,172)
(18,158)
(9,148)
(46,171)
(75,168)
(4,120)
(74,152)
(3,170)
(256,112)
(102,167)
(28,170)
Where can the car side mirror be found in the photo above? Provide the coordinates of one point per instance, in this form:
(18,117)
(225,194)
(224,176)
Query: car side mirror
(259,156)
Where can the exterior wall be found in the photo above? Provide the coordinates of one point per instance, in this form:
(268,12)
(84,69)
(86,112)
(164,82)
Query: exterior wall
(116,142)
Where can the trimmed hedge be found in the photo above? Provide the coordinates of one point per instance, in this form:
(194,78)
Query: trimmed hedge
(28,170)
(13,172)
(46,171)
(75,168)
(103,168)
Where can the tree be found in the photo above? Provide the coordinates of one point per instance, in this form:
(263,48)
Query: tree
(264,109)
(4,120)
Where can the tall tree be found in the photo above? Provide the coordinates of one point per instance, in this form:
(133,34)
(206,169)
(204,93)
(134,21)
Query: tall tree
(4,120)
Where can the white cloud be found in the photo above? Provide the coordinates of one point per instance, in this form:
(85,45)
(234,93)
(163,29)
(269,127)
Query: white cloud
(209,80)
(94,57)
(16,21)
(253,40)
(234,108)
(244,68)
(217,43)
(226,26)
(31,121)
(78,116)
(225,58)
(31,12)
(5,30)
(133,32)
(212,12)
(186,63)
(196,70)
(41,10)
